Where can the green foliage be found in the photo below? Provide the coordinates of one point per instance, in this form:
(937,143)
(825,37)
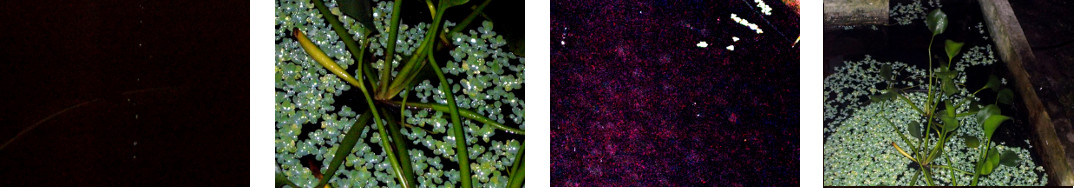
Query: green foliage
(360,10)
(312,71)
(1005,96)
(952,49)
(990,119)
(990,163)
(949,121)
(936,21)
(1009,158)
(971,141)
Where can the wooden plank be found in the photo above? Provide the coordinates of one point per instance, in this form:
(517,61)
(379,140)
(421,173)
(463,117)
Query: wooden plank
(855,12)
(1014,49)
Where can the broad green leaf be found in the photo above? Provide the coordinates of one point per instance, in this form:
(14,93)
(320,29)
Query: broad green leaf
(1009,158)
(948,80)
(936,21)
(989,164)
(949,121)
(360,10)
(1005,96)
(885,71)
(994,83)
(915,130)
(889,94)
(952,48)
(992,123)
(971,141)
(983,114)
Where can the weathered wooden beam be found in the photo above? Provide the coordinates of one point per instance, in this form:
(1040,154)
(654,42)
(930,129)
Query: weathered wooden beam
(855,12)
(1014,49)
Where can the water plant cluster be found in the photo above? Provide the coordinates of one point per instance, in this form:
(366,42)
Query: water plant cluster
(906,14)
(891,123)
(404,128)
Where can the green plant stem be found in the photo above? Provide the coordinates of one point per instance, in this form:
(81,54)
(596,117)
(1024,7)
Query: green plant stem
(415,64)
(953,170)
(282,180)
(460,136)
(349,140)
(341,31)
(953,180)
(401,152)
(518,159)
(930,108)
(902,136)
(907,100)
(389,52)
(913,181)
(518,177)
(984,153)
(469,18)
(465,113)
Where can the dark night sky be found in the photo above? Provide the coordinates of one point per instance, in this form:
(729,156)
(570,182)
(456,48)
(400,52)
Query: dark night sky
(188,84)
(636,103)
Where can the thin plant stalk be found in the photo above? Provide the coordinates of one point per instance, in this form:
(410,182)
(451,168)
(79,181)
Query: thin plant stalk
(460,140)
(401,152)
(346,37)
(389,54)
(518,177)
(518,159)
(469,18)
(345,147)
(410,70)
(465,113)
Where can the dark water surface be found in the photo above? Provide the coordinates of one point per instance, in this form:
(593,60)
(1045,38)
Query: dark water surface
(184,66)
(635,101)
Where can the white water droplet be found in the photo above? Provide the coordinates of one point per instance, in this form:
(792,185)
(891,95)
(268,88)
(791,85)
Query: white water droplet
(702,44)
(135,116)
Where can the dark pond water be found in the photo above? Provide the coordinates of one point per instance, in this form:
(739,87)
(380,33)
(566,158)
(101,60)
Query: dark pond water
(183,66)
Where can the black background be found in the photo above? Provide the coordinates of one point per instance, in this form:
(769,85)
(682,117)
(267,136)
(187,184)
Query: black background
(193,121)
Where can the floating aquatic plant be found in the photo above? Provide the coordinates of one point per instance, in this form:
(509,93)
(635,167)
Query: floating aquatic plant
(946,123)
(382,135)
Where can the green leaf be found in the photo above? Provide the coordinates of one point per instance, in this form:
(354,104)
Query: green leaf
(915,130)
(345,147)
(360,10)
(992,123)
(989,164)
(947,78)
(1009,158)
(971,141)
(282,180)
(885,71)
(949,121)
(1005,96)
(936,21)
(952,48)
(457,2)
(983,114)
(994,83)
